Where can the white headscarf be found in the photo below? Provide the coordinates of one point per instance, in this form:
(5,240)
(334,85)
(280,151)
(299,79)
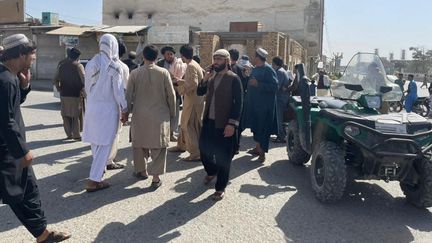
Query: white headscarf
(105,63)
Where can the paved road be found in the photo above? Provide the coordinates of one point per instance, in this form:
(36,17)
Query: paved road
(264,203)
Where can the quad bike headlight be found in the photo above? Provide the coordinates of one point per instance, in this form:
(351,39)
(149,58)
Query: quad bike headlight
(352,131)
(373,102)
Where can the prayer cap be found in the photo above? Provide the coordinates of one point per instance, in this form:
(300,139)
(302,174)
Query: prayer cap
(222,53)
(262,53)
(14,41)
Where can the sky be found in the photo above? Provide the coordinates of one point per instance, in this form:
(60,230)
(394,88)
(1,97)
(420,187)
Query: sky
(350,25)
(389,25)
(84,12)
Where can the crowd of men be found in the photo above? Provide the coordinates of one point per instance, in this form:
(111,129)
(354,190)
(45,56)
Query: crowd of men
(217,103)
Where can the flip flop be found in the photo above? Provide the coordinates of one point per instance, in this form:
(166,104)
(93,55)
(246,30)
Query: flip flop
(99,186)
(56,237)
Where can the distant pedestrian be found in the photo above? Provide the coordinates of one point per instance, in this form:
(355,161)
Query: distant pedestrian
(197,59)
(323,83)
(151,100)
(18,186)
(401,82)
(224,99)
(411,94)
(430,97)
(260,109)
(425,81)
(69,81)
(104,85)
(239,69)
(190,121)
(282,96)
(312,88)
(177,69)
(130,61)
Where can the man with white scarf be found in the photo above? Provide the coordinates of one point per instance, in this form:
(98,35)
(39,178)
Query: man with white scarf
(104,86)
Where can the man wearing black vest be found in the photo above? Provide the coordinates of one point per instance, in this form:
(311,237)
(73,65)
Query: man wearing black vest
(218,140)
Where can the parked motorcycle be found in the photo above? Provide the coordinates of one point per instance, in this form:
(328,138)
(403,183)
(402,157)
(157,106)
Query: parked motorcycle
(421,106)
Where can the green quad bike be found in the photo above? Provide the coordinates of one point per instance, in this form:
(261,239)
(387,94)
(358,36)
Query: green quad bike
(346,137)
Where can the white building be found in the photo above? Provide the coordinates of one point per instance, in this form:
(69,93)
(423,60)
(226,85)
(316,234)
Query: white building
(302,20)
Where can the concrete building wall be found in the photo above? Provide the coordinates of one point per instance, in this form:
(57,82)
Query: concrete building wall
(12,11)
(301,19)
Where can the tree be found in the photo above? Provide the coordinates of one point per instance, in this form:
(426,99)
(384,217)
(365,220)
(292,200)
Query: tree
(422,60)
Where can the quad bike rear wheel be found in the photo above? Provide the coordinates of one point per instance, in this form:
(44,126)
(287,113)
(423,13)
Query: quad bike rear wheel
(420,194)
(328,172)
(296,154)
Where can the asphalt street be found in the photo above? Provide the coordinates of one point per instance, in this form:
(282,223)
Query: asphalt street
(271,202)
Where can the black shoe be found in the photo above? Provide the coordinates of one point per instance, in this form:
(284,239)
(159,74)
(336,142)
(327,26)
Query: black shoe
(114,166)
(156,184)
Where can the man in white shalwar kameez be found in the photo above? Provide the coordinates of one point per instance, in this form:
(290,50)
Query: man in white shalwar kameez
(104,86)
(111,163)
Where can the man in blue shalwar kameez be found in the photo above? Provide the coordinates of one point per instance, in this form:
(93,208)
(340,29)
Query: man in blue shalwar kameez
(260,109)
(412,94)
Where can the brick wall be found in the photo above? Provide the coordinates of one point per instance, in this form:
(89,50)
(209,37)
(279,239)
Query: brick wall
(270,42)
(209,43)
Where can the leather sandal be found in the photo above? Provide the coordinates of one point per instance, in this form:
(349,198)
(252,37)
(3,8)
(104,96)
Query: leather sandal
(140,176)
(99,186)
(56,237)
(253,152)
(217,196)
(114,166)
(156,184)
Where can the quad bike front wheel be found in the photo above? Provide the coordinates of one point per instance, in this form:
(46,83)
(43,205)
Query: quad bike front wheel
(420,193)
(296,154)
(328,172)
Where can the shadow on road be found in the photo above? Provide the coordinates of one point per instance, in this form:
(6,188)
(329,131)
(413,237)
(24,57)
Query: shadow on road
(54,106)
(367,213)
(42,127)
(160,224)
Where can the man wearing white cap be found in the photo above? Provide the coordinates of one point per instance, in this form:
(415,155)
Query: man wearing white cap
(260,109)
(18,187)
(104,86)
(218,140)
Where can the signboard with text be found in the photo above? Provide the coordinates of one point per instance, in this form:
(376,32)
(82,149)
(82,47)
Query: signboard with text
(168,35)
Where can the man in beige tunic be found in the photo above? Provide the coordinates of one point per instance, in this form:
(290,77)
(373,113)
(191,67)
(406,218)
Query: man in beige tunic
(193,106)
(151,100)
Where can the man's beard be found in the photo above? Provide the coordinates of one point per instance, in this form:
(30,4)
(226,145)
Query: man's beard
(220,68)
